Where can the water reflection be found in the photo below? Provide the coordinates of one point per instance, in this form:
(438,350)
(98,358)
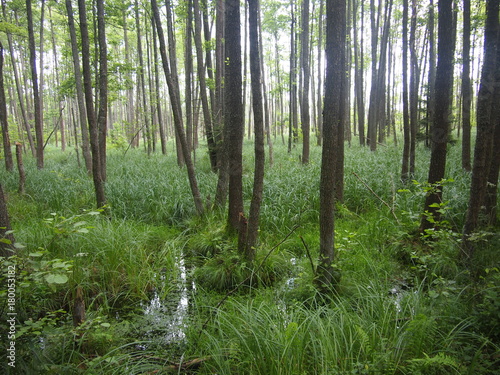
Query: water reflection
(167,318)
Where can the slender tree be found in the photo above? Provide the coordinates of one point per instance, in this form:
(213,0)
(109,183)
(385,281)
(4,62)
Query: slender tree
(406,116)
(487,118)
(35,83)
(441,124)
(6,248)
(305,117)
(102,115)
(258,115)
(207,115)
(332,119)
(7,150)
(89,105)
(466,89)
(79,88)
(233,111)
(19,88)
(431,80)
(175,103)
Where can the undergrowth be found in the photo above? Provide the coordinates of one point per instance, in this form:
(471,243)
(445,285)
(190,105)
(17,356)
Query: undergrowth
(404,304)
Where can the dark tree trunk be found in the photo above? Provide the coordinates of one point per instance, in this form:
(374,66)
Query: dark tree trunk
(18,87)
(36,94)
(142,80)
(233,113)
(20,168)
(414,83)
(218,115)
(188,69)
(304,64)
(431,84)
(441,123)
(486,121)
(161,127)
(293,120)
(102,116)
(79,89)
(6,249)
(89,101)
(173,89)
(466,90)
(358,74)
(258,115)
(332,120)
(405,166)
(212,151)
(319,95)
(7,151)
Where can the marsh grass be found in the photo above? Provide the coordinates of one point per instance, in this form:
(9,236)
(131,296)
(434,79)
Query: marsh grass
(404,305)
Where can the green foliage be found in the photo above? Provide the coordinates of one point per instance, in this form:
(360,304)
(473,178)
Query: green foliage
(404,304)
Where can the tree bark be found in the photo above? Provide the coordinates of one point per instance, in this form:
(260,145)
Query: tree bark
(233,113)
(304,64)
(466,90)
(212,151)
(487,116)
(102,116)
(332,119)
(90,110)
(258,115)
(79,89)
(36,94)
(405,175)
(18,87)
(6,249)
(441,123)
(173,89)
(7,150)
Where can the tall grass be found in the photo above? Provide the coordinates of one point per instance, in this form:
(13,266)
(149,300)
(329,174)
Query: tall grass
(403,305)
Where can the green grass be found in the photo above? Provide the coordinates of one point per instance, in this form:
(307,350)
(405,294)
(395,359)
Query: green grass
(438,320)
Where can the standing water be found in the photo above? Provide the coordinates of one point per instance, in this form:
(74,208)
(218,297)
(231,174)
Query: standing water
(166,319)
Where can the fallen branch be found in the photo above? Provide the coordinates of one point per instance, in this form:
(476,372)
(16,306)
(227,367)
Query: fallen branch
(380,199)
(308,255)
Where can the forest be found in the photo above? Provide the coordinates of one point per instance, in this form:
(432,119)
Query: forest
(249,187)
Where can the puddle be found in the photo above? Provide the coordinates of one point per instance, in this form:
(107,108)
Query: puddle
(167,319)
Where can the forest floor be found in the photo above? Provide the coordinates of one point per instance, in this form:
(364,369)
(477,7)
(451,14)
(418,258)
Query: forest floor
(158,282)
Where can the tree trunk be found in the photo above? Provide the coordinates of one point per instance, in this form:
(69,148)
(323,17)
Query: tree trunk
(6,249)
(18,87)
(233,113)
(173,89)
(79,89)
(332,119)
(486,120)
(466,90)
(36,94)
(431,84)
(441,124)
(358,74)
(188,71)
(414,78)
(90,110)
(304,64)
(62,126)
(102,116)
(212,151)
(258,115)
(293,127)
(7,151)
(161,127)
(405,174)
